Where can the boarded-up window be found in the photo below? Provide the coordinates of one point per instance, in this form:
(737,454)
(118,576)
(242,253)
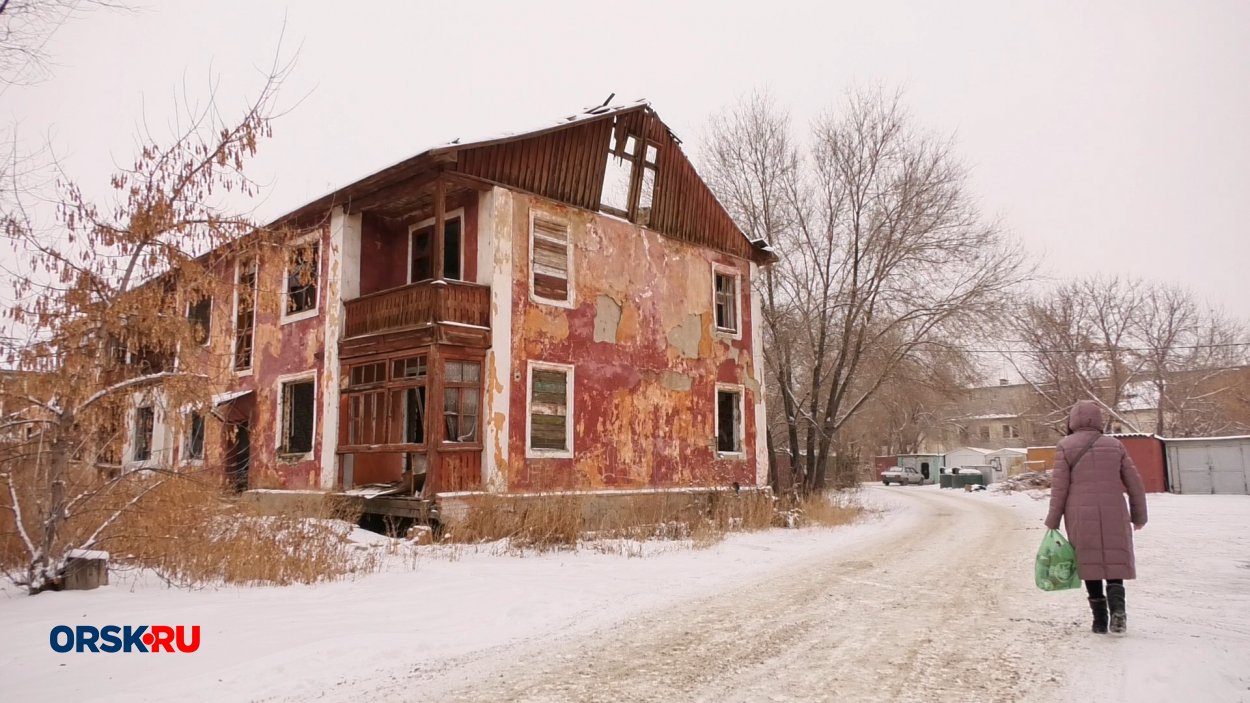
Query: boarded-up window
(301,278)
(194,444)
(728,421)
(421,265)
(200,315)
(462,388)
(725,296)
(145,420)
(298,412)
(549,409)
(245,315)
(549,272)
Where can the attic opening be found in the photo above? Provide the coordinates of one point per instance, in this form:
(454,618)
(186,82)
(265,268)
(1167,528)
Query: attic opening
(629,176)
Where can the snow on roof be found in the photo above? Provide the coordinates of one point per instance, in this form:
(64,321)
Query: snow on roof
(1241,437)
(995,416)
(1010,450)
(971,449)
(87,554)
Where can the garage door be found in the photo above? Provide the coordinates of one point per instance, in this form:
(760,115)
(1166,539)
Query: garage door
(1211,468)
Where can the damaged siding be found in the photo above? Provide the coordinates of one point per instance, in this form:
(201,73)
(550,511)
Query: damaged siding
(642,338)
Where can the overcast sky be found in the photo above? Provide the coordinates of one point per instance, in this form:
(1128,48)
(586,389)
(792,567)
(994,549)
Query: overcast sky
(1108,136)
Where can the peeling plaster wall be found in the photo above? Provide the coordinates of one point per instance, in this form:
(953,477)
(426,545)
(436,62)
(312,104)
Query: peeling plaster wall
(495,265)
(284,351)
(641,336)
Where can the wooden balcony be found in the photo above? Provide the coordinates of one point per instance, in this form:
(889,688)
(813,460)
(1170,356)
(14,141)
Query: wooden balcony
(418,305)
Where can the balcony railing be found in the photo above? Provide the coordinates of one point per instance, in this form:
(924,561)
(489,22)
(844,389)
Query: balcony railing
(418,304)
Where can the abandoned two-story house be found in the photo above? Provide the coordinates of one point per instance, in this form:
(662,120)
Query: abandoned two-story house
(566,308)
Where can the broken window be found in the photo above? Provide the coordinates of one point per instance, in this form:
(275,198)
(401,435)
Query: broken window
(462,382)
(629,177)
(412,367)
(200,315)
(193,446)
(301,278)
(728,421)
(364,414)
(551,260)
(145,421)
(618,175)
(421,264)
(298,408)
(550,388)
(725,301)
(367,374)
(409,403)
(245,315)
(646,192)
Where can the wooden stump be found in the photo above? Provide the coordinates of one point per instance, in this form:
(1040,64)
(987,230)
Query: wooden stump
(86,569)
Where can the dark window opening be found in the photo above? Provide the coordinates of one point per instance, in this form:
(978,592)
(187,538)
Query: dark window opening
(245,317)
(726,302)
(301,279)
(145,420)
(200,315)
(412,367)
(728,422)
(195,437)
(421,267)
(413,414)
(549,409)
(985,432)
(462,382)
(924,469)
(298,408)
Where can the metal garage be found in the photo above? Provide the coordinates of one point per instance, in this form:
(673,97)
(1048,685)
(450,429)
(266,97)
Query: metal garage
(1209,464)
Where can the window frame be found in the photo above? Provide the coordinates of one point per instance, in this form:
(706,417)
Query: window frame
(187,438)
(292,248)
(741,434)
(532,452)
(571,299)
(208,327)
(134,434)
(736,275)
(429,222)
(443,387)
(280,436)
(254,264)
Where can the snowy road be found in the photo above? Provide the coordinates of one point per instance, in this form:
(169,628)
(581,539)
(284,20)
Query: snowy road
(924,609)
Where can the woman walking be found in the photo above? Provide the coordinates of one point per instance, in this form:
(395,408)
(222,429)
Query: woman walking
(1092,474)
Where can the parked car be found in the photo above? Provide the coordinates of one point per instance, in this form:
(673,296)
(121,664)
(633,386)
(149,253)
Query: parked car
(902,475)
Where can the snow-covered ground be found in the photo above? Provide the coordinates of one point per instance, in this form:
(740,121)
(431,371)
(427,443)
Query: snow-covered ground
(931,599)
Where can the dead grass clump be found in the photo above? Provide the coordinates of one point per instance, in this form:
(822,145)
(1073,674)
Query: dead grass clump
(565,521)
(192,533)
(826,509)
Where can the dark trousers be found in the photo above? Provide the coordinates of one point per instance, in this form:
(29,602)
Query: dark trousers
(1094,588)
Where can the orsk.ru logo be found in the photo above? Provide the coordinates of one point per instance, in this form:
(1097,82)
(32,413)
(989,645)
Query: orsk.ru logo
(129,638)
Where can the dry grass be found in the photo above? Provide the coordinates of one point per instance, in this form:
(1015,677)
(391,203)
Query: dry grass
(192,533)
(830,509)
(615,524)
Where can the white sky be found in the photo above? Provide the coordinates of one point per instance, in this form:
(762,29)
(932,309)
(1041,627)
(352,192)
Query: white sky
(1109,137)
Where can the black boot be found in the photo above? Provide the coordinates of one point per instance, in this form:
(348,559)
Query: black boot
(1115,601)
(1099,606)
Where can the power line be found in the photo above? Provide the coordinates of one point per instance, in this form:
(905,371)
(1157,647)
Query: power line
(1103,350)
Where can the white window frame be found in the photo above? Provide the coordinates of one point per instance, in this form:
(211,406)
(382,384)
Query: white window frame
(234,316)
(742,421)
(286,272)
(721,270)
(571,303)
(310,375)
(530,451)
(429,222)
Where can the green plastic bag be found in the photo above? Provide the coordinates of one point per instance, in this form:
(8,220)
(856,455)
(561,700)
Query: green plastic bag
(1055,569)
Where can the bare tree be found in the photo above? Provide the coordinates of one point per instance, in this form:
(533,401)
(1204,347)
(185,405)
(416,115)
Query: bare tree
(1132,346)
(883,254)
(26,27)
(1077,339)
(102,308)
